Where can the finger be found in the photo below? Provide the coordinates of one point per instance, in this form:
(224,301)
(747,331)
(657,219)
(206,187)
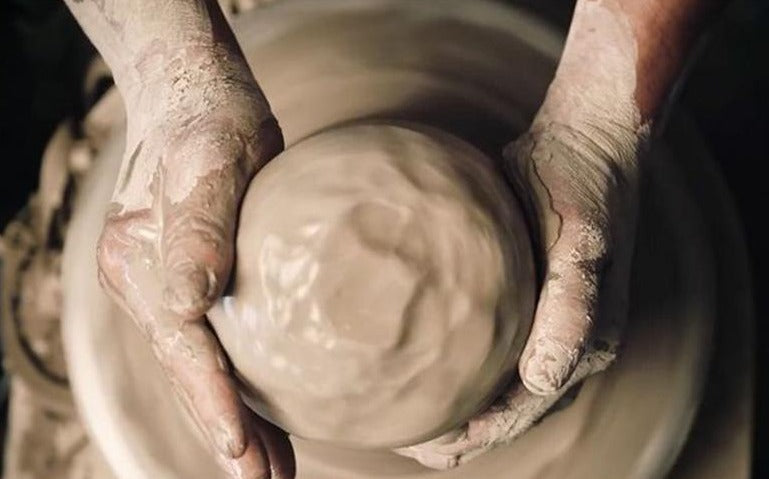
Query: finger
(197,256)
(512,414)
(567,307)
(280,453)
(440,453)
(508,417)
(204,178)
(434,459)
(250,465)
(187,349)
(264,439)
(247,446)
(124,266)
(192,359)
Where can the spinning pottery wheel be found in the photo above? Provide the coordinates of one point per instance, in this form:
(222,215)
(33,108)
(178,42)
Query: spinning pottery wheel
(479,71)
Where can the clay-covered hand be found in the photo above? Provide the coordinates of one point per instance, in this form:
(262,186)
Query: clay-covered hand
(579,186)
(198,129)
(167,247)
(577,172)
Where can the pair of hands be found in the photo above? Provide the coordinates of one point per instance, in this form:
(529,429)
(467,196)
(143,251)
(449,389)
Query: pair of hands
(166,260)
(199,129)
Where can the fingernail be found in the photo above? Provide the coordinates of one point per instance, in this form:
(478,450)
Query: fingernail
(227,445)
(549,367)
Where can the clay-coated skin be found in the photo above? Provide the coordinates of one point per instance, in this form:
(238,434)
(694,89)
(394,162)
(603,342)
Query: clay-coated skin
(199,129)
(578,167)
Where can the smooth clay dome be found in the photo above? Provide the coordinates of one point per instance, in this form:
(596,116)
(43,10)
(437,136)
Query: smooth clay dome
(383,286)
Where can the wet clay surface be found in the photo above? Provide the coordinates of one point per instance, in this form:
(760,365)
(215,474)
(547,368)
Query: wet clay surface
(383,288)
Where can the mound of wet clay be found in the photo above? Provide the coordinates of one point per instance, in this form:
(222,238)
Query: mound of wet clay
(383,286)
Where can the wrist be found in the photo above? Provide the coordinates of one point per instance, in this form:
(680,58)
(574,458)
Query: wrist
(188,76)
(609,131)
(593,94)
(197,88)
(604,148)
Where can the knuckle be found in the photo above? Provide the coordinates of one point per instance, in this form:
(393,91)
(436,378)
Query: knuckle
(191,289)
(199,245)
(112,251)
(119,244)
(189,225)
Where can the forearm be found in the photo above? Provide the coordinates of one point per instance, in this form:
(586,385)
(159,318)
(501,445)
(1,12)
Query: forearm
(163,54)
(620,60)
(665,33)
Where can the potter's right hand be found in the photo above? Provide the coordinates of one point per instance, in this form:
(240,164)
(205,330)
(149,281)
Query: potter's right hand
(577,170)
(579,187)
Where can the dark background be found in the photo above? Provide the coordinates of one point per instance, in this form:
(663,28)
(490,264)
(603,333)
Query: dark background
(43,55)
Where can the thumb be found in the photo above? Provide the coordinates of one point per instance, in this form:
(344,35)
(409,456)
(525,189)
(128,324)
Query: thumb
(570,188)
(567,308)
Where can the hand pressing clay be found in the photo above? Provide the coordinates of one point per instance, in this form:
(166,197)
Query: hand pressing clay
(383,288)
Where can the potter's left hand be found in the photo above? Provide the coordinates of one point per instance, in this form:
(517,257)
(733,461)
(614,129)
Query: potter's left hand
(198,129)
(577,171)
